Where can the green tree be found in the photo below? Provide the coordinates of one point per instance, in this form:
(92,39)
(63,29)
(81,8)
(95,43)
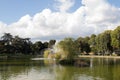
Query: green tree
(83,44)
(21,45)
(2,46)
(68,48)
(7,37)
(107,41)
(51,43)
(92,43)
(26,46)
(98,44)
(45,45)
(116,38)
(37,47)
(103,42)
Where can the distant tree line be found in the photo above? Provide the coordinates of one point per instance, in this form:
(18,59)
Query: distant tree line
(104,43)
(16,45)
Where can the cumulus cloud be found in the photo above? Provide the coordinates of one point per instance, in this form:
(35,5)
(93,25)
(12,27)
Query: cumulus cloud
(94,16)
(64,5)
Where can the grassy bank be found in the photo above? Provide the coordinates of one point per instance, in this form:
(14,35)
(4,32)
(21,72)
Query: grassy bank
(96,56)
(16,56)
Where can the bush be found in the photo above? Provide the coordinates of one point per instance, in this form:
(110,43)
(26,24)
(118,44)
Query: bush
(57,56)
(46,53)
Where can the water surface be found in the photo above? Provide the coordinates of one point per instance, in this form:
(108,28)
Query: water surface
(100,69)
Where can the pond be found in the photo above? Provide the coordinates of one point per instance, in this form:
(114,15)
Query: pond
(22,69)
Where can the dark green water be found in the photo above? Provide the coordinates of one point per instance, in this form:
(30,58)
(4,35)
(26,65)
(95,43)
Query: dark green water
(100,69)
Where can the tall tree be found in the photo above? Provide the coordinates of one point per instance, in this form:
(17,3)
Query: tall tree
(2,46)
(83,44)
(45,45)
(7,37)
(116,38)
(103,42)
(37,47)
(51,43)
(21,45)
(92,43)
(68,48)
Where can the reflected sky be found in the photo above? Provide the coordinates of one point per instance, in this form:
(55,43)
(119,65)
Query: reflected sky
(100,69)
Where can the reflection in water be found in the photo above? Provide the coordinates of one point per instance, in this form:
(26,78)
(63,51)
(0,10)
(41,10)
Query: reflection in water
(91,62)
(100,69)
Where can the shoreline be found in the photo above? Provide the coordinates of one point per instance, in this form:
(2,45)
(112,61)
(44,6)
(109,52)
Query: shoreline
(95,56)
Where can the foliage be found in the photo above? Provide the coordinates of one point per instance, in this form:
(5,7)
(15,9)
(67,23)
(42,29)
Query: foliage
(46,53)
(105,42)
(116,38)
(57,56)
(92,43)
(68,48)
(51,43)
(16,45)
(7,37)
(83,45)
(37,47)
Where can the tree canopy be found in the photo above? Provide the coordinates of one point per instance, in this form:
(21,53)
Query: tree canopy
(105,42)
(68,48)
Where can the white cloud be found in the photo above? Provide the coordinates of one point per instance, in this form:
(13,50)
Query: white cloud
(94,16)
(2,28)
(64,5)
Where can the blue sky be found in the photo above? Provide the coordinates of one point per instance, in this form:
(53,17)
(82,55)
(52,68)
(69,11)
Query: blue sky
(12,10)
(114,2)
(46,19)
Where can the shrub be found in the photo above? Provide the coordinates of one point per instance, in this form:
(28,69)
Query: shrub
(46,53)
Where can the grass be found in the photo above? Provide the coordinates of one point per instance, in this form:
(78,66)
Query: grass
(96,56)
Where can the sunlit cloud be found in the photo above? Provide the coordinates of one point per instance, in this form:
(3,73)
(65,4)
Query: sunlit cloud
(93,17)
(64,5)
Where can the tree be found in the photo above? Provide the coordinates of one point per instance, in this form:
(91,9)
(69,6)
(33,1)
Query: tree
(7,37)
(116,38)
(103,42)
(45,45)
(107,41)
(51,43)
(37,47)
(92,40)
(98,44)
(67,48)
(21,45)
(83,44)
(27,45)
(92,43)
(2,46)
